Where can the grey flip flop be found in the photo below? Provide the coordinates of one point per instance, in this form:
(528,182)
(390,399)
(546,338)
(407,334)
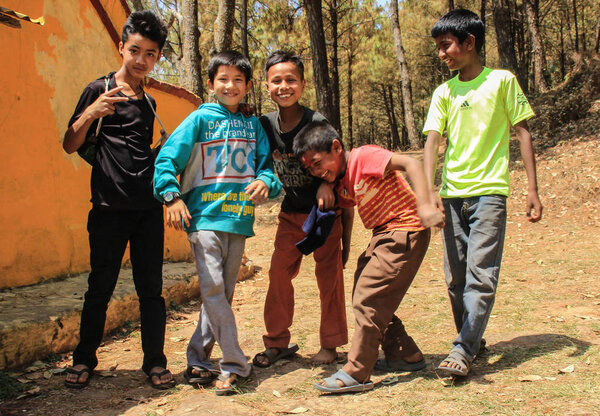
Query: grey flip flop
(350,384)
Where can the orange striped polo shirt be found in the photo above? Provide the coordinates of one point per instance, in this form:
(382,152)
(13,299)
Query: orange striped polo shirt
(383,203)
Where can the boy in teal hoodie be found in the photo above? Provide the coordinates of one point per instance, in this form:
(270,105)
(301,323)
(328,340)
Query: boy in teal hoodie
(223,158)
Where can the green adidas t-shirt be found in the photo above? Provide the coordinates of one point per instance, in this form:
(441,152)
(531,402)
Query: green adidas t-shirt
(477,115)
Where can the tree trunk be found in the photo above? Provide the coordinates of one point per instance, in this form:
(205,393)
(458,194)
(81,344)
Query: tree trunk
(482,12)
(583,47)
(597,45)
(404,144)
(137,5)
(386,105)
(537,48)
(563,66)
(409,119)
(395,135)
(244,28)
(349,96)
(504,35)
(319,54)
(223,27)
(335,75)
(191,78)
(575,24)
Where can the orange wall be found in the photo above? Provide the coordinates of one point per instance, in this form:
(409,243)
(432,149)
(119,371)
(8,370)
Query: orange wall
(45,192)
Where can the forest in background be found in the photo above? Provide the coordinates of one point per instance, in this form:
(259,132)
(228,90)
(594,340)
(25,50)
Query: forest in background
(371,66)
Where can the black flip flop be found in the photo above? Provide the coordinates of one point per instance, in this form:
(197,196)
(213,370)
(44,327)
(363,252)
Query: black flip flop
(273,358)
(192,378)
(162,386)
(383,364)
(77,385)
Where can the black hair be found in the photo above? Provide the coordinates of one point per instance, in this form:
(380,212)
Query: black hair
(231,58)
(281,56)
(147,24)
(461,23)
(317,136)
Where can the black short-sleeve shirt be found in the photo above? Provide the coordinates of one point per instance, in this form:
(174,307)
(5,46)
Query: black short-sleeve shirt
(124,166)
(299,185)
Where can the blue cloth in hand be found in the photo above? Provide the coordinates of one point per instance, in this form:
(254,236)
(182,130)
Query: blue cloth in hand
(317,227)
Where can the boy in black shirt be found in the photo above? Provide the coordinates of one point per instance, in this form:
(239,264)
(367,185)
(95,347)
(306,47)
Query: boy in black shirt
(124,209)
(285,83)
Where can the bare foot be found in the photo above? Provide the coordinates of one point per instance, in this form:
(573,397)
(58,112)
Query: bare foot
(227,386)
(449,364)
(74,378)
(324,356)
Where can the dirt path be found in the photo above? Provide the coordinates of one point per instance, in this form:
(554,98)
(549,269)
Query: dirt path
(546,319)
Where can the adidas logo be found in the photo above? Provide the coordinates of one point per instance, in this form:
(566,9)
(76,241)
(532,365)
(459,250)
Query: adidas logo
(465,105)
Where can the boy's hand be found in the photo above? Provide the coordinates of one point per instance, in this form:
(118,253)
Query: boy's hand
(177,214)
(431,216)
(258,192)
(534,204)
(345,255)
(246,109)
(325,196)
(105,103)
(437,201)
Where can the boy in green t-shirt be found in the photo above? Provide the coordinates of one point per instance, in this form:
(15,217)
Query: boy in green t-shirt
(477,109)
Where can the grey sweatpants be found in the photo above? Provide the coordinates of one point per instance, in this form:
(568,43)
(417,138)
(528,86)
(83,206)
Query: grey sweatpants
(218,259)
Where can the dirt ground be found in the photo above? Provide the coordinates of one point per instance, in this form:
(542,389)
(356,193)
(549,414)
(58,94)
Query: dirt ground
(543,337)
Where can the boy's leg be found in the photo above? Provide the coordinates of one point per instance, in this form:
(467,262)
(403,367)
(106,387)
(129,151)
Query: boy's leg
(201,343)
(285,264)
(455,236)
(330,279)
(235,244)
(108,236)
(211,252)
(486,216)
(146,248)
(397,345)
(385,271)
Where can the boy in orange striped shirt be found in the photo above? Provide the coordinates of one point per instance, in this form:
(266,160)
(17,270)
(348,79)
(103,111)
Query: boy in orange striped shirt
(370,177)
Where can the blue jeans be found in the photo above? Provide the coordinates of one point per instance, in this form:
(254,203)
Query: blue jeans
(473,242)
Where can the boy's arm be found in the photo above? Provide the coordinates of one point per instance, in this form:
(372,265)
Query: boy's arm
(430,215)
(170,162)
(325,196)
(432,146)
(347,223)
(77,132)
(264,163)
(533,202)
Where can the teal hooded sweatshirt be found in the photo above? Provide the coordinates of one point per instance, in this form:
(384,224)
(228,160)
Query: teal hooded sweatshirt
(217,153)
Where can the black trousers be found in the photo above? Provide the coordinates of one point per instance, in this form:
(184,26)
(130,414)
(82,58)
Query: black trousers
(109,232)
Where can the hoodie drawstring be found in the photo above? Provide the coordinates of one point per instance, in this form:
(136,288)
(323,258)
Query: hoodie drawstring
(227,141)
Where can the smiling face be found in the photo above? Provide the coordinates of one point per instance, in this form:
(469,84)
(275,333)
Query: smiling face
(454,53)
(139,55)
(329,166)
(285,84)
(229,86)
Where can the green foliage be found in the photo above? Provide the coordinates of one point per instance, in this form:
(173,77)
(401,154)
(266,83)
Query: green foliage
(365,39)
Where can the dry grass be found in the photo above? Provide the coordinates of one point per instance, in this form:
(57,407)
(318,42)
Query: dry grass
(546,318)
